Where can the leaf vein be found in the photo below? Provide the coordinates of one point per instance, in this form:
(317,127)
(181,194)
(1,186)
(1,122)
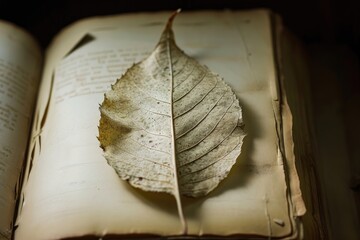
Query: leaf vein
(211,148)
(157,113)
(150,148)
(143,158)
(190,90)
(181,70)
(202,119)
(201,101)
(155,134)
(146,93)
(210,131)
(198,170)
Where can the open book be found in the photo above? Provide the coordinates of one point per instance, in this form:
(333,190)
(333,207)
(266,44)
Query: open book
(64,187)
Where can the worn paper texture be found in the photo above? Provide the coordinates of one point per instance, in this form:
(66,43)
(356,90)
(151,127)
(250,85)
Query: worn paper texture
(72,191)
(20,65)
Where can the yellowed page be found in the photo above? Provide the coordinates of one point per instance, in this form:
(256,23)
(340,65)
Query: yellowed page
(20,65)
(71,189)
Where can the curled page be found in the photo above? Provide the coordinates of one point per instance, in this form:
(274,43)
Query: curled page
(20,66)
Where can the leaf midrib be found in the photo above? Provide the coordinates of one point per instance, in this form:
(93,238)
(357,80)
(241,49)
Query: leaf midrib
(176,192)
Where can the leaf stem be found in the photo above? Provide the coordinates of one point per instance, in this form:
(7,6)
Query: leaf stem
(173,152)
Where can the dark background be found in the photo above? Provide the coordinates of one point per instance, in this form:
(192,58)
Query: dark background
(317,21)
(329,29)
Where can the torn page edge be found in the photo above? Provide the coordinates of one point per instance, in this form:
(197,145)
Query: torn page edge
(22,179)
(285,126)
(315,220)
(38,124)
(33,150)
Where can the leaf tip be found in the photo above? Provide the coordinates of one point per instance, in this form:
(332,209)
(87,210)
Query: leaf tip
(172,17)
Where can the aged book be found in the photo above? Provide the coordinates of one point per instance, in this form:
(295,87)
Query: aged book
(55,182)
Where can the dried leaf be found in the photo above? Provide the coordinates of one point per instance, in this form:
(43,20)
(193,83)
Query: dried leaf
(170,124)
